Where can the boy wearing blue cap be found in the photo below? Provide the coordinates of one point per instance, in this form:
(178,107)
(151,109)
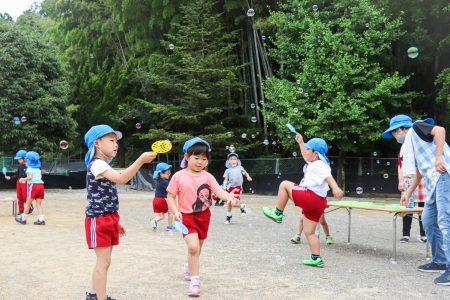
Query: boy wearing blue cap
(161,175)
(432,157)
(35,189)
(102,218)
(21,187)
(310,194)
(233,180)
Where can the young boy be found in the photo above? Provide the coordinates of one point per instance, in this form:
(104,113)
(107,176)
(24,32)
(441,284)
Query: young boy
(406,166)
(102,218)
(297,238)
(310,194)
(233,180)
(21,187)
(160,208)
(432,156)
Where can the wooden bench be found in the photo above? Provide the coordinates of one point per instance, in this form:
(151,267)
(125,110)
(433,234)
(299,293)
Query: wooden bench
(14,204)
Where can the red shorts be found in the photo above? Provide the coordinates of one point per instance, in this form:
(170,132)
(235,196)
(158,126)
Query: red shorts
(35,191)
(197,222)
(160,205)
(312,205)
(238,189)
(102,231)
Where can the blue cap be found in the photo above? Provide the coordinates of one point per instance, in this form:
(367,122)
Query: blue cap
(188,144)
(319,145)
(161,167)
(20,154)
(397,122)
(95,133)
(227,163)
(33,159)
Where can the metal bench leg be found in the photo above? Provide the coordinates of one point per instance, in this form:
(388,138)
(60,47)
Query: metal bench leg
(14,208)
(349,211)
(394,241)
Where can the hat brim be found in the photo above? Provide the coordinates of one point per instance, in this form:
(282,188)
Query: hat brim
(387,133)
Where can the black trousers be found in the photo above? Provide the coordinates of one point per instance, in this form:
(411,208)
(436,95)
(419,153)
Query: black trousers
(407,220)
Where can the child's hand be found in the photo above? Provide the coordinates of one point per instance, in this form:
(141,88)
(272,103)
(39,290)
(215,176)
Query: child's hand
(8,177)
(249,178)
(299,138)
(338,193)
(401,186)
(404,199)
(122,231)
(147,157)
(178,216)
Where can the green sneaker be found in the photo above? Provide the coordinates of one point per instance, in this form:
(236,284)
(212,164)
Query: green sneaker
(270,213)
(329,240)
(296,239)
(318,263)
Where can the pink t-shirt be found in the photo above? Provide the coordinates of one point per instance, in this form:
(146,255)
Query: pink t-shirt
(193,190)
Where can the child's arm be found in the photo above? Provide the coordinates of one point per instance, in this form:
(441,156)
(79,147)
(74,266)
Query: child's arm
(401,183)
(171,202)
(438,133)
(337,192)
(405,197)
(249,178)
(125,176)
(225,181)
(299,139)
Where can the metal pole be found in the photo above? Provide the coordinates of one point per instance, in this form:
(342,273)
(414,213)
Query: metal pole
(349,210)
(394,242)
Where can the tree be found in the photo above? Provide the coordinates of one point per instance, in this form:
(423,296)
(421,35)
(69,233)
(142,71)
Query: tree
(33,90)
(333,84)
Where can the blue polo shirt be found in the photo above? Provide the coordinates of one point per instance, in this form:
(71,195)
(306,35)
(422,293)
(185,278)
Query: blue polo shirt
(161,186)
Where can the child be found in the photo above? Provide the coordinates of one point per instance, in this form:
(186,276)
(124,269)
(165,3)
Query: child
(102,218)
(432,157)
(406,167)
(35,189)
(310,194)
(21,187)
(297,238)
(193,186)
(161,175)
(233,180)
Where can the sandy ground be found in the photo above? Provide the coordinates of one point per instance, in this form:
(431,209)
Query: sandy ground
(250,259)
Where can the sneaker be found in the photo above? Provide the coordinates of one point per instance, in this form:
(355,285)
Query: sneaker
(90,296)
(39,222)
(270,213)
(109,298)
(404,239)
(432,267)
(19,220)
(222,203)
(186,273)
(194,288)
(31,210)
(154,224)
(423,239)
(318,263)
(243,210)
(228,220)
(296,239)
(329,240)
(170,228)
(217,203)
(444,279)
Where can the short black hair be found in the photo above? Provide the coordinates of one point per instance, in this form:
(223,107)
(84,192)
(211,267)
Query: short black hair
(199,149)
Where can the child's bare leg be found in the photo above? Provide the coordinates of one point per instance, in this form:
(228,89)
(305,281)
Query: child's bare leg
(300,227)
(170,218)
(159,217)
(324,224)
(193,257)
(309,228)
(100,273)
(284,194)
(39,207)
(26,209)
(230,205)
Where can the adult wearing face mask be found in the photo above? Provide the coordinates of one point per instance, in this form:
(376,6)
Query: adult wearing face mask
(399,129)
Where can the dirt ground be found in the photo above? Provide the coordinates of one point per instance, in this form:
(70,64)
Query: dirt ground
(250,259)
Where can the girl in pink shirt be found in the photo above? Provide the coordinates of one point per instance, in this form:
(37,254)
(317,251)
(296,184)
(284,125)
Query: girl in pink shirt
(194,186)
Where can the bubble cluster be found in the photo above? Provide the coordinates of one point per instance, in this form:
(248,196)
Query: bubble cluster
(359,190)
(63,144)
(250,12)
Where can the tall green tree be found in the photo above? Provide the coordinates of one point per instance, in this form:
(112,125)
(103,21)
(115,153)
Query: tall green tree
(33,89)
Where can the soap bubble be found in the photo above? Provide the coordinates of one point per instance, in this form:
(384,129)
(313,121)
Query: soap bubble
(244,135)
(254,119)
(295,110)
(386,175)
(64,144)
(229,133)
(253,136)
(359,190)
(171,46)
(306,95)
(367,25)
(23,119)
(274,143)
(266,142)
(138,125)
(231,148)
(413,52)
(315,7)
(257,133)
(252,105)
(294,154)
(378,161)
(280,260)
(310,84)
(261,102)
(388,163)
(91,55)
(374,154)
(250,12)
(373,189)
(298,81)
(300,90)
(263,37)
(16,120)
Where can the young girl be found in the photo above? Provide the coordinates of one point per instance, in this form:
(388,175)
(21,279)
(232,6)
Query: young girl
(161,175)
(35,191)
(102,224)
(193,186)
(310,194)
(233,180)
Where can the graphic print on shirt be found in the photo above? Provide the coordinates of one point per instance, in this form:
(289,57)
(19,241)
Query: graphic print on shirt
(203,196)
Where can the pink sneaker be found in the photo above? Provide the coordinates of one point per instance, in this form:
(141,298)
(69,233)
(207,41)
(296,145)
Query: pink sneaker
(186,273)
(194,287)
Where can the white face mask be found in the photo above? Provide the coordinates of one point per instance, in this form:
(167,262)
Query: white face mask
(108,159)
(400,137)
(233,164)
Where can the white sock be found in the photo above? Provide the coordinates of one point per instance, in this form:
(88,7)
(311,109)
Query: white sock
(243,205)
(41,218)
(186,268)
(228,213)
(195,280)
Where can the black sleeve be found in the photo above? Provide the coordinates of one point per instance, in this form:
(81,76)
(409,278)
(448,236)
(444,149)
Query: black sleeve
(164,184)
(423,130)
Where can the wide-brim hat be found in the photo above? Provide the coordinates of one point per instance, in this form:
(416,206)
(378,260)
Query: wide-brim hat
(95,133)
(398,121)
(188,144)
(33,159)
(161,167)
